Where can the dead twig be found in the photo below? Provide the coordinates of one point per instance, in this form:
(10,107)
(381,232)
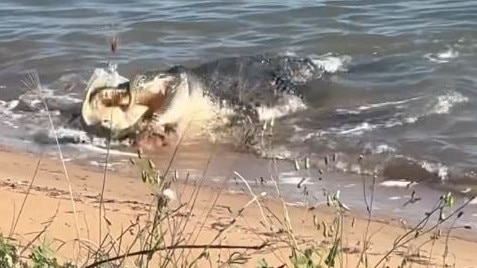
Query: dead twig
(12,231)
(151,251)
(34,84)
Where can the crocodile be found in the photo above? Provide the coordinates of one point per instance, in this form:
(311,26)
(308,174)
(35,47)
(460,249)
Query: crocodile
(154,100)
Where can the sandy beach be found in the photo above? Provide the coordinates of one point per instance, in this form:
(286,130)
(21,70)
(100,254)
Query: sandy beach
(205,212)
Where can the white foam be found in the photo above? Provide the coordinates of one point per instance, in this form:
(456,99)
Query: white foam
(466,190)
(288,173)
(299,137)
(98,164)
(290,53)
(287,105)
(10,124)
(295,180)
(279,152)
(91,147)
(443,56)
(71,78)
(441,170)
(393,123)
(447,101)
(442,104)
(411,119)
(67,98)
(346,111)
(297,128)
(6,109)
(449,54)
(358,129)
(6,106)
(400,183)
(362,127)
(11,105)
(361,108)
(95,145)
(67,132)
(342,166)
(387,103)
(383,148)
(356,169)
(330,63)
(345,166)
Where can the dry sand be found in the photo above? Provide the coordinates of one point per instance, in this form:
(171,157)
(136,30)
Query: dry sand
(127,198)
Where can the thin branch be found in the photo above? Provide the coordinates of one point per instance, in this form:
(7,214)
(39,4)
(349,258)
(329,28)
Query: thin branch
(151,251)
(26,195)
(255,198)
(106,162)
(36,85)
(48,224)
(401,241)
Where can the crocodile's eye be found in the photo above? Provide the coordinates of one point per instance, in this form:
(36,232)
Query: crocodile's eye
(139,81)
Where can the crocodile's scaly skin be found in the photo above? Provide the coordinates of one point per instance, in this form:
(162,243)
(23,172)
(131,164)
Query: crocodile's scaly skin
(242,83)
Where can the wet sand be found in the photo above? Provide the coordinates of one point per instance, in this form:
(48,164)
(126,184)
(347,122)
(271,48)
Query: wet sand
(127,199)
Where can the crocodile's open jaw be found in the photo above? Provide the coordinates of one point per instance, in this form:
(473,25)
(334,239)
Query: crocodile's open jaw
(110,97)
(108,107)
(111,110)
(119,109)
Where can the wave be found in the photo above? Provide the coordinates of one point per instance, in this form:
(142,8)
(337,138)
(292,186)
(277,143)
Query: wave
(397,183)
(80,140)
(376,105)
(398,114)
(288,105)
(328,62)
(331,63)
(64,135)
(443,56)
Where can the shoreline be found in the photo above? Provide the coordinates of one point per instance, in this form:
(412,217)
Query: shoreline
(126,197)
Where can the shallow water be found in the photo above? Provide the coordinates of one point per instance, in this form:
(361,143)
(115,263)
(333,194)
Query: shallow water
(400,88)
